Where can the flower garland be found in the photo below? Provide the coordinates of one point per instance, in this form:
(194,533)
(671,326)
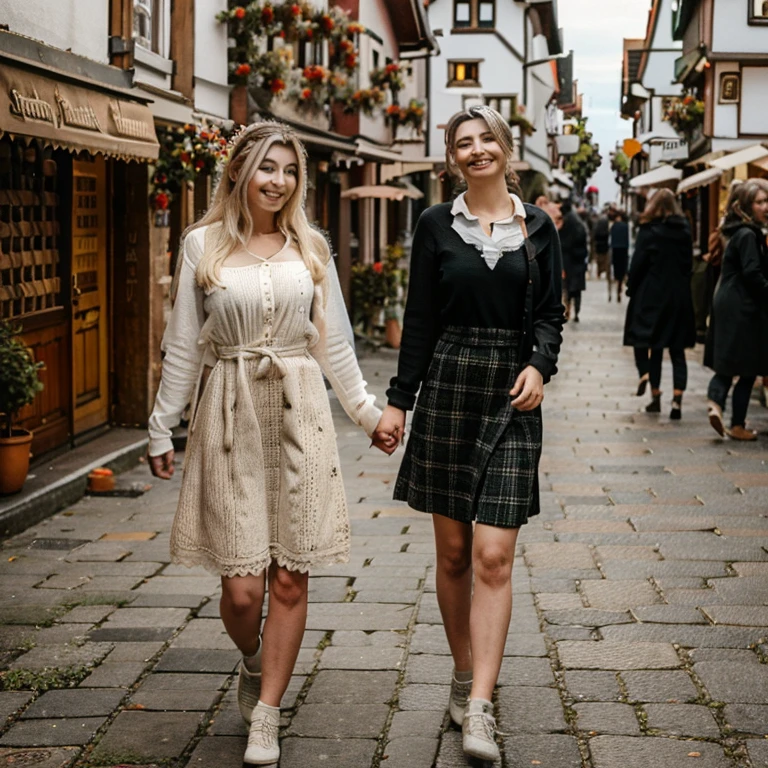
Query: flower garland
(185,152)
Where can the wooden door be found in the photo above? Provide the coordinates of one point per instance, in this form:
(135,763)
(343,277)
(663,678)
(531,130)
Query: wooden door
(90,368)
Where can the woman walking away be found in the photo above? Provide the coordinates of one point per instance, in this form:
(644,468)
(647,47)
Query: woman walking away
(737,342)
(573,241)
(481,336)
(619,251)
(660,312)
(262,500)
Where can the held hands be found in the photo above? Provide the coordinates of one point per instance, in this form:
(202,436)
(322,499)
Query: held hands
(161,466)
(390,430)
(528,391)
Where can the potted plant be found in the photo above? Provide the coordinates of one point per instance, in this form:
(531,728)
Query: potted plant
(19,384)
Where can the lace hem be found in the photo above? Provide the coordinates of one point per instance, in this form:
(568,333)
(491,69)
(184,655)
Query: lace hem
(292,561)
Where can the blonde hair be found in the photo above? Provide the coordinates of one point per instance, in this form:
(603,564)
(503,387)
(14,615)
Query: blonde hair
(501,131)
(230,213)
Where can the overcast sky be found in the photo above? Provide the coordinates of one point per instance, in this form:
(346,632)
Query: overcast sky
(595,29)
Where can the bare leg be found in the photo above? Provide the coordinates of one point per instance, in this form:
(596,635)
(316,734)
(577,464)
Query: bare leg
(493,553)
(242,599)
(283,631)
(453,580)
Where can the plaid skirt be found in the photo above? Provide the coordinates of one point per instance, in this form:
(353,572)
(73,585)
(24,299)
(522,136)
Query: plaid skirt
(470,455)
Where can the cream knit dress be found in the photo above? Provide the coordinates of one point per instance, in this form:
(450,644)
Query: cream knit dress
(261,477)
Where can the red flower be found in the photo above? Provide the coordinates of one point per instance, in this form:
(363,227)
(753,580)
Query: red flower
(377,267)
(282,33)
(267,15)
(296,9)
(346,45)
(185,157)
(243,70)
(390,68)
(239,12)
(327,23)
(393,109)
(199,164)
(306,93)
(161,201)
(308,34)
(276,85)
(350,60)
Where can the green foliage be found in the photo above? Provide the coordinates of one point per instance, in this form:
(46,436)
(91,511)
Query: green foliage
(42,679)
(526,127)
(685,115)
(19,380)
(620,166)
(583,165)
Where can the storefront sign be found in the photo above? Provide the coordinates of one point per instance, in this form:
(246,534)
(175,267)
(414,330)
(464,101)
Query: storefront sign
(674,149)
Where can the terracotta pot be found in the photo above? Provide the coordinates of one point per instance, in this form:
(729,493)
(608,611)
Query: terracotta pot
(393,332)
(14,461)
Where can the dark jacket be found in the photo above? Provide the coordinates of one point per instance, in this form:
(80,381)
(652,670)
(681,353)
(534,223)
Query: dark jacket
(542,311)
(737,341)
(573,241)
(660,311)
(601,234)
(620,234)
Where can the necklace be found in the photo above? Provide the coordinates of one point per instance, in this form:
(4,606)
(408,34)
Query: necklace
(276,253)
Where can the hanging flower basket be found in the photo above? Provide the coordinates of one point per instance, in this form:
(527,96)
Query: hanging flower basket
(526,127)
(685,115)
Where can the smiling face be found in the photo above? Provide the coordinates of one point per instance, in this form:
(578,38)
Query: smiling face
(274,180)
(760,207)
(476,151)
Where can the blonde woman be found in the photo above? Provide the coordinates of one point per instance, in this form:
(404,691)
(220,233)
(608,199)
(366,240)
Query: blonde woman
(259,306)
(481,336)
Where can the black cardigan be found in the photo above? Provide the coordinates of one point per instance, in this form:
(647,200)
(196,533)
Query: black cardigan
(429,307)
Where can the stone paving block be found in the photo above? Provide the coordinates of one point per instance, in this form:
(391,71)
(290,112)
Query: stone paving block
(198,586)
(559,602)
(751,569)
(553,585)
(135,618)
(419,697)
(96,551)
(62,656)
(423,668)
(688,636)
(332,616)
(607,718)
(70,731)
(517,715)
(321,753)
(694,597)
(126,634)
(558,633)
(524,671)
(733,682)
(639,569)
(617,596)
(198,660)
(173,701)
(633,752)
(742,590)
(359,639)
(146,736)
(668,614)
(149,600)
(619,656)
(551,751)
(342,721)
(672,686)
(75,702)
(61,634)
(412,723)
(333,687)
(180,682)
(39,758)
(746,656)
(115,674)
(592,686)
(429,638)
(88,614)
(219,751)
(758,753)
(565,573)
(558,556)
(410,752)
(451,754)
(524,644)
(361,658)
(737,615)
(588,617)
(747,718)
(204,634)
(591,526)
(682,720)
(11,702)
(607,552)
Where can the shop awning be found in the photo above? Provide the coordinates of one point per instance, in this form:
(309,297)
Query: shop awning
(562,178)
(708,158)
(700,179)
(658,177)
(71,112)
(742,157)
(383,192)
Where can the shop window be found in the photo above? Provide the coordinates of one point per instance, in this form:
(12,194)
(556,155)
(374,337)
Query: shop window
(474,14)
(505,104)
(147,24)
(464,73)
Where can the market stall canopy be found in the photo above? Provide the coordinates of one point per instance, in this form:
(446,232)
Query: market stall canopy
(663,175)
(384,192)
(742,157)
(700,179)
(64,110)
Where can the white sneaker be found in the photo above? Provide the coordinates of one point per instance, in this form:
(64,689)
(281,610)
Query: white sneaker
(249,687)
(479,731)
(263,746)
(457,703)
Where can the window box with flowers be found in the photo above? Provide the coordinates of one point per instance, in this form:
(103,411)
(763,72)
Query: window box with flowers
(685,115)
(365,100)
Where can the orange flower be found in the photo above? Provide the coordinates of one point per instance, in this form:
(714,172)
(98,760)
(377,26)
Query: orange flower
(306,93)
(350,60)
(267,15)
(377,267)
(390,68)
(276,85)
(327,23)
(243,70)
(239,12)
(393,109)
(296,9)
(355,28)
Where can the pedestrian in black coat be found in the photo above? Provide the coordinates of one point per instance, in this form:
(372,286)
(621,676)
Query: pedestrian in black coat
(660,312)
(737,342)
(619,252)
(573,241)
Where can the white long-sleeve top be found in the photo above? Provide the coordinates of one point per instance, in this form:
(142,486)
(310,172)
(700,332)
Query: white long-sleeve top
(270,310)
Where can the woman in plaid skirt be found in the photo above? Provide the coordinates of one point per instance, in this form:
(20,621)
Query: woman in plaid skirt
(481,336)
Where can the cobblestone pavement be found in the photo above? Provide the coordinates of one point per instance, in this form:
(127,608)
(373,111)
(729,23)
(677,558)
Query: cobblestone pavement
(637,638)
